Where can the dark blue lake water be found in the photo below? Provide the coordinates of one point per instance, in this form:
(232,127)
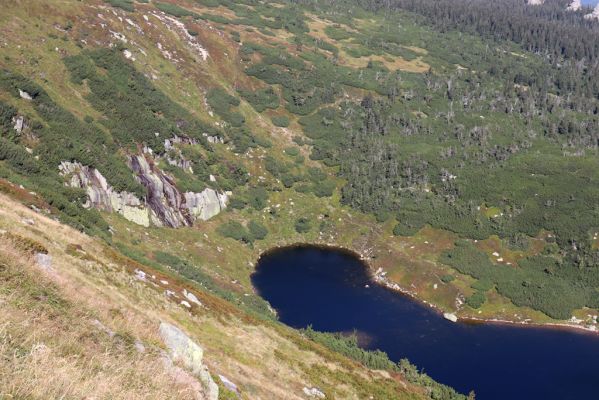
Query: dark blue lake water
(325,288)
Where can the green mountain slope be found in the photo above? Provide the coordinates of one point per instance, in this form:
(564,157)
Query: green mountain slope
(191,136)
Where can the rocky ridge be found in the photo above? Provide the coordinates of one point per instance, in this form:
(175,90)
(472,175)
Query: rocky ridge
(164,204)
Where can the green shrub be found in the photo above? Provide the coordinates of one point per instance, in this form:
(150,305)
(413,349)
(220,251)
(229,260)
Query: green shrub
(126,5)
(324,188)
(257,230)
(482,285)
(292,151)
(234,230)
(237,203)
(257,197)
(174,10)
(303,225)
(303,188)
(280,121)
(476,300)
(447,278)
(222,102)
(261,99)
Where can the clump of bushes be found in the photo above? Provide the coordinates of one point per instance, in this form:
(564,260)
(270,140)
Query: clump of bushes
(476,300)
(280,120)
(257,230)
(175,10)
(222,102)
(261,99)
(126,5)
(303,225)
(235,230)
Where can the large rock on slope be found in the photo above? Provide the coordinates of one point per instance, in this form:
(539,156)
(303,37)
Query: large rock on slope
(184,350)
(102,196)
(164,204)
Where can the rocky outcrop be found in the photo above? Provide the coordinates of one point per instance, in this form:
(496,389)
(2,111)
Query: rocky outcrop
(173,208)
(206,204)
(19,124)
(164,204)
(189,354)
(213,139)
(314,393)
(102,196)
(179,160)
(25,95)
(169,143)
(535,2)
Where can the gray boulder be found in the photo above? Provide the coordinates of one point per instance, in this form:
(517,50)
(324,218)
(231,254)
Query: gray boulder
(184,350)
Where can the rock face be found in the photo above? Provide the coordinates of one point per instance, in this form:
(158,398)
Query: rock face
(19,124)
(102,196)
(173,208)
(184,350)
(164,204)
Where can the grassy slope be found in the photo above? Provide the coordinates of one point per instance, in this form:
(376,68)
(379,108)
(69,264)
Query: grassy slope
(51,345)
(35,36)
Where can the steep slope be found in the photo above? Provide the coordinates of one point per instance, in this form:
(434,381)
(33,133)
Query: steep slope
(191,136)
(80,320)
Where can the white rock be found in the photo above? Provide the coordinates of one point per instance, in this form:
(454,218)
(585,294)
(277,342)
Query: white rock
(190,354)
(228,384)
(44,261)
(19,124)
(191,297)
(314,392)
(25,95)
(128,55)
(450,316)
(139,274)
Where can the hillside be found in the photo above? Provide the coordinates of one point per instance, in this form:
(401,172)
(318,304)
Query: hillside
(181,139)
(83,320)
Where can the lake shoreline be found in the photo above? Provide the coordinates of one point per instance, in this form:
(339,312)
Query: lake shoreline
(379,279)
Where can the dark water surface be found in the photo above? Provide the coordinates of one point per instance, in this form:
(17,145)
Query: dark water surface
(325,288)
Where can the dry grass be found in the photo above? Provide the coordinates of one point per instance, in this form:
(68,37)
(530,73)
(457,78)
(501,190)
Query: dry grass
(317,29)
(50,348)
